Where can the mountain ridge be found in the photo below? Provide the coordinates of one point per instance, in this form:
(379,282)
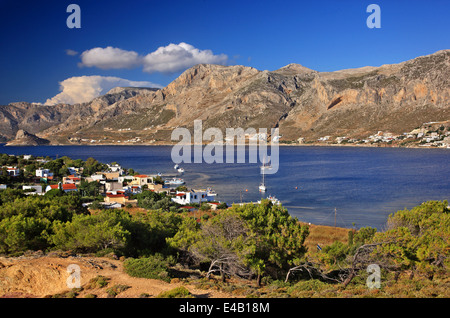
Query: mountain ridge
(299,101)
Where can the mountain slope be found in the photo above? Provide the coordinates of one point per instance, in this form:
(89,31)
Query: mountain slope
(300,101)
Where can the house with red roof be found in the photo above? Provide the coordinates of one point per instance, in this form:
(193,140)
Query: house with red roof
(119,197)
(141,179)
(68,187)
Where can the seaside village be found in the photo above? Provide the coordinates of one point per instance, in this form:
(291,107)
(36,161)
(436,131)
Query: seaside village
(432,134)
(114,185)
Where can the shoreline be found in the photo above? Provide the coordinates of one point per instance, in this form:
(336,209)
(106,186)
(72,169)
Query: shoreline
(204,144)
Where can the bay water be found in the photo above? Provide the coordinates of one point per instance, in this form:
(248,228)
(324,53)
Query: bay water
(352,186)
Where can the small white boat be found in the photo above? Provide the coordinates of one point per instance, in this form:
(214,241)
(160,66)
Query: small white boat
(210,192)
(266,166)
(181,170)
(274,200)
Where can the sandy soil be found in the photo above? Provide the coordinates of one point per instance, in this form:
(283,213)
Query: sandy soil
(43,276)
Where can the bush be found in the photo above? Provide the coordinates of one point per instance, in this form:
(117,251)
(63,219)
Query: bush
(153,267)
(98,282)
(116,289)
(308,288)
(178,292)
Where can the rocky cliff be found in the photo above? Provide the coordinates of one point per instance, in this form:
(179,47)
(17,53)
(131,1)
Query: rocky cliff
(24,138)
(300,101)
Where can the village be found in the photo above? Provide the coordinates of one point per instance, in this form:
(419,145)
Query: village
(111,188)
(432,134)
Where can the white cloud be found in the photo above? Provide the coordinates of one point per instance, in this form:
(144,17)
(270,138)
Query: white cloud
(80,89)
(71,52)
(110,58)
(166,59)
(178,57)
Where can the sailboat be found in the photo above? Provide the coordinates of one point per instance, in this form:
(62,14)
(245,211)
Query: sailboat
(265,166)
(262,186)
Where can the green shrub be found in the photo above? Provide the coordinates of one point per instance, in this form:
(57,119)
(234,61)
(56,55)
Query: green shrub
(98,282)
(116,289)
(178,292)
(153,267)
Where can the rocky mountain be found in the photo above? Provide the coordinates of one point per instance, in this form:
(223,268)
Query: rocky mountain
(300,101)
(24,138)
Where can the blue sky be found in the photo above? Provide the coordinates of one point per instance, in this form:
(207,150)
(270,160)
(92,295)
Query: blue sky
(267,35)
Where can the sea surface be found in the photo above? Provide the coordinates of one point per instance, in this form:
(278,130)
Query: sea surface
(352,186)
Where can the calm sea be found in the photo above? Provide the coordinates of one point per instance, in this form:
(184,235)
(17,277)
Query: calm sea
(364,185)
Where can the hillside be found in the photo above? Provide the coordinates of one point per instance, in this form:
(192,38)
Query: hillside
(300,101)
(45,276)
(39,275)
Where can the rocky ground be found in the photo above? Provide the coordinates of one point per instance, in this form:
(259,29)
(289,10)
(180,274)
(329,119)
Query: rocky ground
(39,276)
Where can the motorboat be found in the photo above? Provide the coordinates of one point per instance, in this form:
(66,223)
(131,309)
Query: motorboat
(174,181)
(272,199)
(210,192)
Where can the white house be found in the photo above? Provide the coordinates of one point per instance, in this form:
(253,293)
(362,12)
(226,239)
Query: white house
(192,196)
(125,179)
(37,189)
(13,171)
(43,173)
(115,168)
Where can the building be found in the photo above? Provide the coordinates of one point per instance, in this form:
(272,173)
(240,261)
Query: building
(43,173)
(192,196)
(119,198)
(68,187)
(125,179)
(35,189)
(115,168)
(141,179)
(13,171)
(72,179)
(110,175)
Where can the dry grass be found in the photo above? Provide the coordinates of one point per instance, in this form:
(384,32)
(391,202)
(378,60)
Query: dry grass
(325,235)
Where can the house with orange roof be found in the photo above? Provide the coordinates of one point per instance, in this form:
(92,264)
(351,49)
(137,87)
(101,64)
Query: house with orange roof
(141,179)
(72,179)
(68,187)
(121,198)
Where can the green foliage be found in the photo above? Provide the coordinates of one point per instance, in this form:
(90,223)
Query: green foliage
(178,292)
(116,289)
(91,166)
(155,267)
(335,253)
(187,234)
(222,206)
(264,238)
(89,188)
(90,233)
(9,195)
(97,282)
(149,232)
(364,235)
(418,238)
(19,234)
(27,221)
(154,201)
(279,237)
